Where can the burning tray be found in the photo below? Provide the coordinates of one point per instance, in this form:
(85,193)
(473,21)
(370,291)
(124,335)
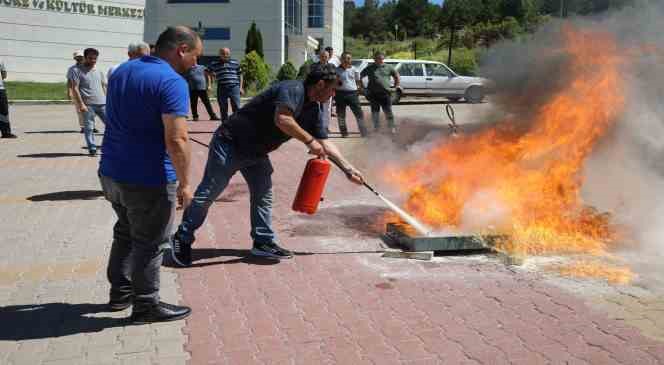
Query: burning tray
(405,236)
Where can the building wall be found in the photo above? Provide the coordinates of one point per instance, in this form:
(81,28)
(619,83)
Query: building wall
(332,33)
(36,43)
(236,15)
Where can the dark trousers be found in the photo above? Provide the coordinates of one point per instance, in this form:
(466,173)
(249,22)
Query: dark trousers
(194,95)
(5,127)
(140,235)
(349,99)
(381,101)
(224,93)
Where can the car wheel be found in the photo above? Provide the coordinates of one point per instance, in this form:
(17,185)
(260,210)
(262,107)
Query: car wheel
(474,94)
(453,98)
(396,97)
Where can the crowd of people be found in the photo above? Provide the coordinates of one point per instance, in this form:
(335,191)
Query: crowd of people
(144,170)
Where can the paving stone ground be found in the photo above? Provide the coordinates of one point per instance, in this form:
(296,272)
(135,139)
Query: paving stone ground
(336,302)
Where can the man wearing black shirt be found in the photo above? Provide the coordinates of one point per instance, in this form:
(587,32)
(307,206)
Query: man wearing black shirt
(289,109)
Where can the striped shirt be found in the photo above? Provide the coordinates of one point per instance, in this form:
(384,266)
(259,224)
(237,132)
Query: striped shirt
(226,73)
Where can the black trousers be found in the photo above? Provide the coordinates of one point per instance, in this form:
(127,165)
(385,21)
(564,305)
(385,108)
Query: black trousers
(5,127)
(194,95)
(140,236)
(349,99)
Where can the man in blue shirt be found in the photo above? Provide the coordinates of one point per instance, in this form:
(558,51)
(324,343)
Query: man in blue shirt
(145,152)
(289,109)
(228,74)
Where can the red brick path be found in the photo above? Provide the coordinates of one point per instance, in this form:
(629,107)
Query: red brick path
(357,308)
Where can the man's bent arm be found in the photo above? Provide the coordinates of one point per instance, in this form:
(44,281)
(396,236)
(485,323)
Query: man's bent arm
(176,137)
(286,123)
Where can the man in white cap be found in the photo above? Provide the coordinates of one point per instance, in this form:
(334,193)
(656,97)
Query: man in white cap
(78,57)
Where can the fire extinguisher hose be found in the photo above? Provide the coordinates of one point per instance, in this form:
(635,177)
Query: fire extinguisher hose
(348,174)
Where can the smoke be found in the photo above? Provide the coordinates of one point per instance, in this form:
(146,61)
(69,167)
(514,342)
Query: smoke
(625,174)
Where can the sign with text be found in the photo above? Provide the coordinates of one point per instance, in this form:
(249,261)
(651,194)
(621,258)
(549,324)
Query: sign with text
(77,7)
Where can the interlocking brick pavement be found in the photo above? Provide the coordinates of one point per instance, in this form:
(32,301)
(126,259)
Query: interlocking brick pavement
(56,234)
(337,301)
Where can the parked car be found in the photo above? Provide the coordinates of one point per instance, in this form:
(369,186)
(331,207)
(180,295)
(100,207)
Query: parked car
(431,78)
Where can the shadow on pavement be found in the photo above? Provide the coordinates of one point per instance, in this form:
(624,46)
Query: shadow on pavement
(54,132)
(35,321)
(236,256)
(353,219)
(52,155)
(68,195)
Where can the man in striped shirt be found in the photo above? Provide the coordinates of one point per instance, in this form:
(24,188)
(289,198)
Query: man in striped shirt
(228,74)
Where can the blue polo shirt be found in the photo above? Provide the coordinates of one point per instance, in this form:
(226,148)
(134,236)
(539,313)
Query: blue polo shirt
(139,92)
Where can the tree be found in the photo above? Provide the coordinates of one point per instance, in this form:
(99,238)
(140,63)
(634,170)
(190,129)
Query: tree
(457,14)
(416,17)
(287,72)
(254,41)
(255,71)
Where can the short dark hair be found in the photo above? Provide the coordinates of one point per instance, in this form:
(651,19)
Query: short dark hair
(328,48)
(90,51)
(345,53)
(379,54)
(326,72)
(172,37)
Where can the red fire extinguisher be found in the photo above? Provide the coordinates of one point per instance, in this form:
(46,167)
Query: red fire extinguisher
(312,184)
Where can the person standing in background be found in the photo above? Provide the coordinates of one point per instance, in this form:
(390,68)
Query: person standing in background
(5,126)
(88,85)
(229,82)
(200,82)
(78,57)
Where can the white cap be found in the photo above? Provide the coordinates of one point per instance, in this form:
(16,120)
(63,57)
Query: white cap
(78,53)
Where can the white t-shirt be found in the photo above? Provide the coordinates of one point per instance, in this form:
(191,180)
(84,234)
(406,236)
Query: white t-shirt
(349,77)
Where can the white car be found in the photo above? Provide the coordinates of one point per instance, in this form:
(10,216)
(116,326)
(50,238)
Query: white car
(431,78)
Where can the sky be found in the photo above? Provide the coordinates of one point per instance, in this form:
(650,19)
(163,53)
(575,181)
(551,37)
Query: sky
(361,2)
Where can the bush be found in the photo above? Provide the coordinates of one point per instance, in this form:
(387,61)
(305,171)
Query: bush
(255,71)
(287,72)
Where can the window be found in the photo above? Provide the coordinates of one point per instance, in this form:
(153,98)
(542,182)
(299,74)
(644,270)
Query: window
(316,13)
(293,10)
(197,1)
(217,34)
(411,69)
(434,69)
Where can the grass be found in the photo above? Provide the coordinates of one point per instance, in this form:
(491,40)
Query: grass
(23,90)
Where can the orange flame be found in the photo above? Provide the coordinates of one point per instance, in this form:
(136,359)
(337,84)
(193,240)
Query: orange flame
(533,173)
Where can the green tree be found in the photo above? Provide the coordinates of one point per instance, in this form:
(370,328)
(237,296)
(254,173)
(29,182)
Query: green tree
(417,17)
(254,40)
(287,72)
(255,71)
(457,14)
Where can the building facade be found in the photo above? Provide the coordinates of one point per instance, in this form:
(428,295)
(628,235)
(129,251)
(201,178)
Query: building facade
(284,25)
(38,37)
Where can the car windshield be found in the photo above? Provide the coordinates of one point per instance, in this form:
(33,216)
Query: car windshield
(356,63)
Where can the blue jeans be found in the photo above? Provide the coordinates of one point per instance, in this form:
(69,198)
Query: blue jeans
(89,124)
(225,93)
(223,162)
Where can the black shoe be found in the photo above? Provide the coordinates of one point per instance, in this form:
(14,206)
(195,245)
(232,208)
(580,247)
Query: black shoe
(270,250)
(180,251)
(9,135)
(160,312)
(344,134)
(93,153)
(95,130)
(116,305)
(82,130)
(214,117)
(195,119)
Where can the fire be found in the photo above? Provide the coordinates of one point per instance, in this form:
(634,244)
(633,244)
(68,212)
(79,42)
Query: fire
(533,172)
